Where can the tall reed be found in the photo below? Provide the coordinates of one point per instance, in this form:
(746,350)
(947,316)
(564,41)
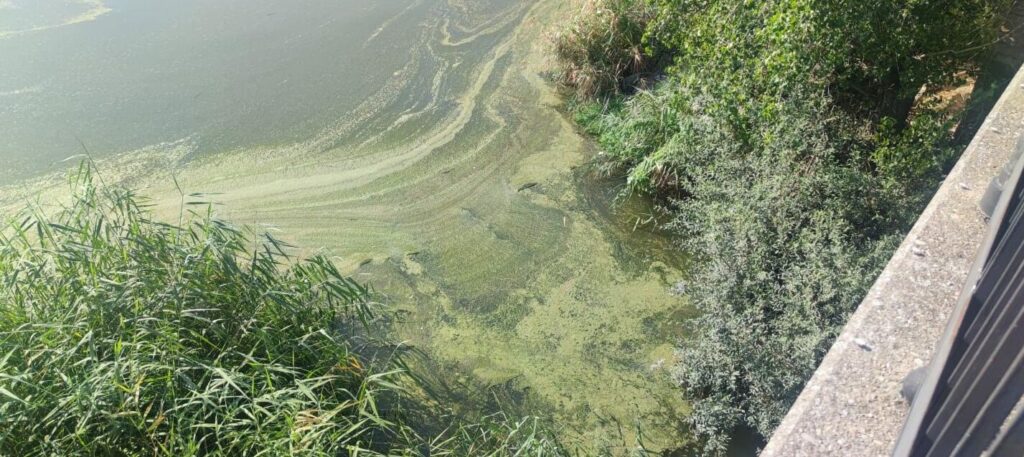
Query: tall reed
(124,335)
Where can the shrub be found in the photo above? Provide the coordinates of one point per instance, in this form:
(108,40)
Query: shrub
(795,142)
(781,262)
(873,57)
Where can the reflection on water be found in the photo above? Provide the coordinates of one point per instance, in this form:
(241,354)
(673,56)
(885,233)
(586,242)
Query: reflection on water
(413,140)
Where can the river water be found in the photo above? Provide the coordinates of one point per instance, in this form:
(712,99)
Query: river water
(414,141)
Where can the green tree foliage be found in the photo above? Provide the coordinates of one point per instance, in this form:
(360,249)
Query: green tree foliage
(794,141)
(121,335)
(872,57)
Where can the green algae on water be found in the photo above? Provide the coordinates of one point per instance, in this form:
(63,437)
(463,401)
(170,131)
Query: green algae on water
(455,190)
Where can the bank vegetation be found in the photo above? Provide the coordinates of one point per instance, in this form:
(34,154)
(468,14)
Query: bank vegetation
(792,144)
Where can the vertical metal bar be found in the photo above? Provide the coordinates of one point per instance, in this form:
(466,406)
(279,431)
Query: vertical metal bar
(993,415)
(1007,241)
(991,296)
(1010,442)
(935,390)
(969,401)
(1016,195)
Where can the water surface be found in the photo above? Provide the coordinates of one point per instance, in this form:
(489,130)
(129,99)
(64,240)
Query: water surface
(415,141)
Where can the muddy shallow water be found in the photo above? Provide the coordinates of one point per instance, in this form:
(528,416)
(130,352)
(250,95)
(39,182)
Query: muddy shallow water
(415,141)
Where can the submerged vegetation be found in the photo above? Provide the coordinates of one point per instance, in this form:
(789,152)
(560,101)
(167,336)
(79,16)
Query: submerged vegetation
(793,143)
(124,335)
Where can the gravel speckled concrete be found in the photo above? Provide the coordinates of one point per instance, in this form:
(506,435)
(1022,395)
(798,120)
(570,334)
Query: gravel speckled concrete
(852,405)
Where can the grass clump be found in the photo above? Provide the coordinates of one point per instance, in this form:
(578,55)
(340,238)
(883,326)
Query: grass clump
(605,48)
(124,336)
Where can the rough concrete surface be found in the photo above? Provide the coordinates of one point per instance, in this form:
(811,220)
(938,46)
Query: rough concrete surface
(852,405)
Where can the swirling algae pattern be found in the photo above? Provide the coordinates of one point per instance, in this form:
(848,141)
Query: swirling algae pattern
(90,10)
(454,190)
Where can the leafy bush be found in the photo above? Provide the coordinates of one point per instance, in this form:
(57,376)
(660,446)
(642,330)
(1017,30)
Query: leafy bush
(123,335)
(782,261)
(873,56)
(795,142)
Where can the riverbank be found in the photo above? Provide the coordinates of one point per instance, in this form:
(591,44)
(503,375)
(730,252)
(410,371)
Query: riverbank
(792,145)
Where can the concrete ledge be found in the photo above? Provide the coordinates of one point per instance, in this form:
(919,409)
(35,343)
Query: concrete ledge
(852,406)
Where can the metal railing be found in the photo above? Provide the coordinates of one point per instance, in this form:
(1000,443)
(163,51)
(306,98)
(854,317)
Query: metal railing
(969,401)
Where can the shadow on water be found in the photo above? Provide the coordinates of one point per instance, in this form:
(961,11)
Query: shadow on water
(635,221)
